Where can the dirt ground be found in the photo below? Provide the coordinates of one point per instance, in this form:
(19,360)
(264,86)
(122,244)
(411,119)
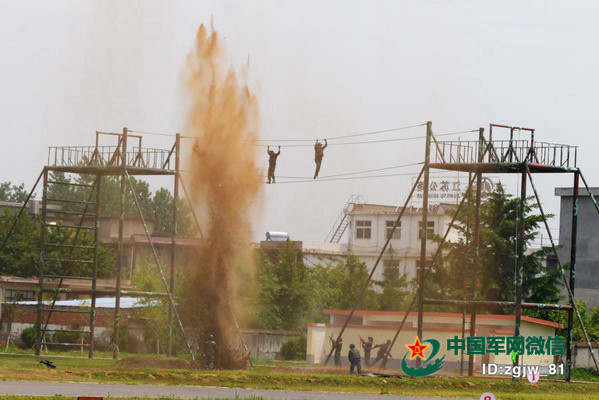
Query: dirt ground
(158,362)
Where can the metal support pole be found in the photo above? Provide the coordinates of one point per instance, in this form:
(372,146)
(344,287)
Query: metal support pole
(378,260)
(423,232)
(569,336)
(40,273)
(121,246)
(170,295)
(92,321)
(475,261)
(193,212)
(433,261)
(520,254)
(173,244)
(468,197)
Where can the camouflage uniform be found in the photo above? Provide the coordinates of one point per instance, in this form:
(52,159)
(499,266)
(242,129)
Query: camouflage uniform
(210,348)
(337,347)
(318,155)
(272,163)
(367,346)
(382,353)
(354,359)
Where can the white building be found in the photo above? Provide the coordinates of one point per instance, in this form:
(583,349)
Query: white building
(366,227)
(371,224)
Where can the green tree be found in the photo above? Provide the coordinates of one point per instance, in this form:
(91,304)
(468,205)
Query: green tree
(21,254)
(393,287)
(147,278)
(452,274)
(157,206)
(110,191)
(285,293)
(13,193)
(163,213)
(347,281)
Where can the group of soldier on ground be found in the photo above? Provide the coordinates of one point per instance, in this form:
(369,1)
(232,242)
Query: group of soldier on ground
(272,159)
(354,354)
(210,349)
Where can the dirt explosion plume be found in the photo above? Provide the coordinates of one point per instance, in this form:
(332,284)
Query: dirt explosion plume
(225,185)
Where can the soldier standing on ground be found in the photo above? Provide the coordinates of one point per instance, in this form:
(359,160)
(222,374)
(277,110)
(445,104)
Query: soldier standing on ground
(367,346)
(272,163)
(354,359)
(337,347)
(210,348)
(382,353)
(318,155)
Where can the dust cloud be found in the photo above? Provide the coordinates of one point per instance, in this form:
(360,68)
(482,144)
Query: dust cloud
(225,182)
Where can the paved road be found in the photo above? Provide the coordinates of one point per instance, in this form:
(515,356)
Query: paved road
(30,388)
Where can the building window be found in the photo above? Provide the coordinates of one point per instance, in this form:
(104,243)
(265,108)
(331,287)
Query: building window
(391,269)
(430,229)
(18,295)
(389,228)
(363,229)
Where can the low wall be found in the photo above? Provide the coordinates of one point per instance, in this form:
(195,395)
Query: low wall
(266,345)
(581,355)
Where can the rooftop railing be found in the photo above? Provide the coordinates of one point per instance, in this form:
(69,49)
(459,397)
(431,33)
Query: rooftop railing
(109,156)
(506,151)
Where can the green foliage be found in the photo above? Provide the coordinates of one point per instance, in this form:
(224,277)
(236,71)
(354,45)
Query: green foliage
(285,291)
(158,206)
(13,193)
(21,254)
(294,349)
(499,215)
(110,190)
(155,313)
(163,213)
(394,293)
(590,319)
(67,337)
(292,294)
(29,337)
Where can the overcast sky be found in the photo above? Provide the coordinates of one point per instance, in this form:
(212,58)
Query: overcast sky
(320,69)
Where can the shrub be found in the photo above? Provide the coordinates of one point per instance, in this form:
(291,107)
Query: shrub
(29,337)
(67,337)
(294,349)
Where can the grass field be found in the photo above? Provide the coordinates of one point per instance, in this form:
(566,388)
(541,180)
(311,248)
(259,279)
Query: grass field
(115,398)
(267,375)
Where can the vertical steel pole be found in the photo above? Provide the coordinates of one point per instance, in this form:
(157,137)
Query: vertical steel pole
(173,244)
(423,236)
(573,235)
(520,255)
(475,261)
(121,246)
(92,321)
(40,273)
(468,197)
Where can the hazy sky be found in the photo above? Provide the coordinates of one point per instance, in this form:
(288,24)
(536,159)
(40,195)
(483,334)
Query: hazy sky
(320,69)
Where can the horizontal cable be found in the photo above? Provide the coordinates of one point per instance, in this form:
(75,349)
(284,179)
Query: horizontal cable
(348,178)
(344,136)
(355,172)
(371,141)
(153,133)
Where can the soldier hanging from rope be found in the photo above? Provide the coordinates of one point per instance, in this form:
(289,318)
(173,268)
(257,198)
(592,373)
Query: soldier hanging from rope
(272,163)
(318,155)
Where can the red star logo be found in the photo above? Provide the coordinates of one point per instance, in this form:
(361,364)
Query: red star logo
(417,349)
